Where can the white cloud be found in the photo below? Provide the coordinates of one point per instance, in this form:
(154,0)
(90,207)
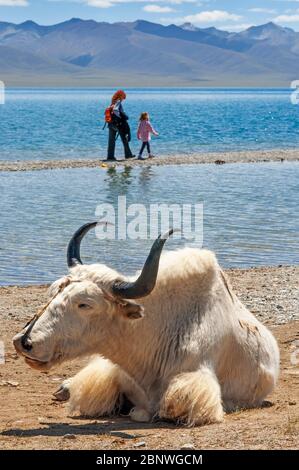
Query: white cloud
(211,17)
(100,3)
(109,3)
(157,9)
(14,3)
(262,10)
(287,18)
(235,27)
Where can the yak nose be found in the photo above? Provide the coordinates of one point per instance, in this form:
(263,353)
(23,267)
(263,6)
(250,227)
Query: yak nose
(22,342)
(26,343)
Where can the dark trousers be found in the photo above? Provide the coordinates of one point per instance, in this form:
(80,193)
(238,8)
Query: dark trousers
(147,145)
(111,142)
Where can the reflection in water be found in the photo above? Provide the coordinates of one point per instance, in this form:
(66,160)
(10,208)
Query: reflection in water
(119,178)
(118,181)
(250,214)
(145,176)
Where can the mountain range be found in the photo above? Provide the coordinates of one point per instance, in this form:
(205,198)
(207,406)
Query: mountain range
(89,53)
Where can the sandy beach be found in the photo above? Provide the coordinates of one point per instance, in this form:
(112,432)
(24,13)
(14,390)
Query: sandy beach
(276,155)
(30,419)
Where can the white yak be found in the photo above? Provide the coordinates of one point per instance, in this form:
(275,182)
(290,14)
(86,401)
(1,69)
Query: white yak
(185,349)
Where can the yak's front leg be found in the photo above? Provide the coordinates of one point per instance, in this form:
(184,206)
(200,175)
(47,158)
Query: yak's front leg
(63,391)
(94,390)
(141,410)
(99,389)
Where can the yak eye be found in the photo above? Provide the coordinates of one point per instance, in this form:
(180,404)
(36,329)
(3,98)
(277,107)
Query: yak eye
(84,306)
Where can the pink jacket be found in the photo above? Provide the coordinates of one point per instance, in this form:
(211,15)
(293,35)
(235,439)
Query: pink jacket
(145,130)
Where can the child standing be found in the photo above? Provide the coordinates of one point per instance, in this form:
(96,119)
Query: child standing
(144,132)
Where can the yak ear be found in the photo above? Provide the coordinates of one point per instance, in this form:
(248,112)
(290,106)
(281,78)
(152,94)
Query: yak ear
(127,308)
(54,288)
(132,311)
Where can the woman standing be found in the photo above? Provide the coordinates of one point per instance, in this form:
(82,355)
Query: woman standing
(119,125)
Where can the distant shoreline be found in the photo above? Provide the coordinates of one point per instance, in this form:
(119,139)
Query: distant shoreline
(250,156)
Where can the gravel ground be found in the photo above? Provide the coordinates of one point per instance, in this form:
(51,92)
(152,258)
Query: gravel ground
(270,293)
(191,159)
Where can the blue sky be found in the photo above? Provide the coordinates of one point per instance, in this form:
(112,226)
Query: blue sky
(224,14)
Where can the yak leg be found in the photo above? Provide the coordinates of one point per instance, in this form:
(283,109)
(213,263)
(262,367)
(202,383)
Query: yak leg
(140,412)
(94,390)
(63,392)
(98,389)
(193,398)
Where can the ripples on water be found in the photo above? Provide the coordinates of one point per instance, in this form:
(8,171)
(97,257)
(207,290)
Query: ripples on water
(250,214)
(56,124)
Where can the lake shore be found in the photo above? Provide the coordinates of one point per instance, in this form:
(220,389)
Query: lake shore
(250,156)
(30,419)
(268,292)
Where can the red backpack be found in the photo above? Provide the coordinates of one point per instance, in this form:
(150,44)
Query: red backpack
(108,114)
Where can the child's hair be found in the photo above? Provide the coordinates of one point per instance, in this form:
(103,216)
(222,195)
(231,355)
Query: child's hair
(143,117)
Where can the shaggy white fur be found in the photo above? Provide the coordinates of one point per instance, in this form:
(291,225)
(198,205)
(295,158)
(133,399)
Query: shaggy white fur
(193,398)
(95,390)
(195,348)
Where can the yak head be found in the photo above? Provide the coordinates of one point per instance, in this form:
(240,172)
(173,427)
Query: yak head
(87,310)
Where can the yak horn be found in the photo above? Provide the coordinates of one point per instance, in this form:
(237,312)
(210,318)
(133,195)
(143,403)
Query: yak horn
(145,283)
(73,249)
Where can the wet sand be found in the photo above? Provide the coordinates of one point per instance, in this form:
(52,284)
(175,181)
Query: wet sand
(189,159)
